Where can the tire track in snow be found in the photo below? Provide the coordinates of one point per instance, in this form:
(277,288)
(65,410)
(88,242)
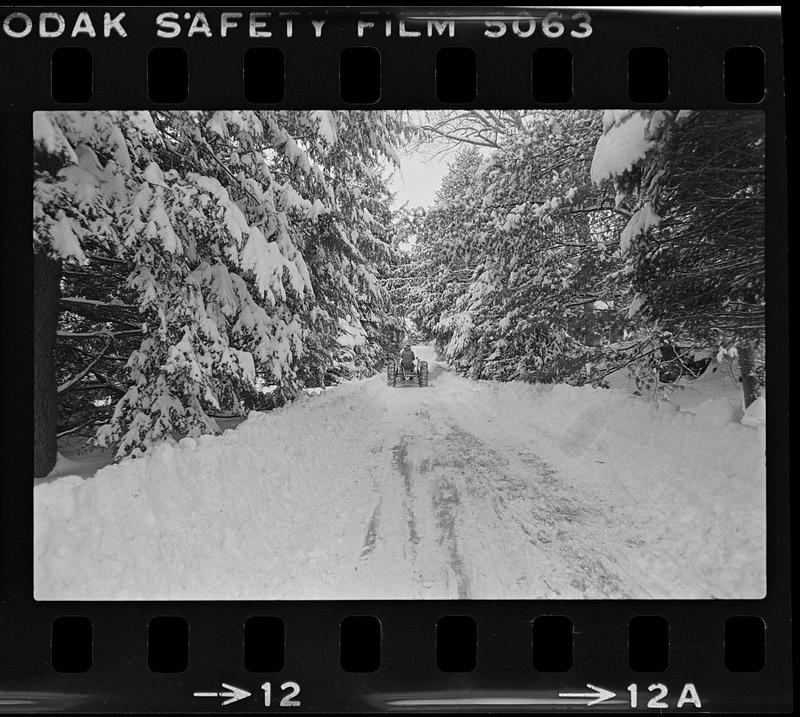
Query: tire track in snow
(462,471)
(566,529)
(372,532)
(530,497)
(401,463)
(446,501)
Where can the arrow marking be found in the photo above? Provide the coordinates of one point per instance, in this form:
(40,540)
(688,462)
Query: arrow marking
(234,695)
(598,695)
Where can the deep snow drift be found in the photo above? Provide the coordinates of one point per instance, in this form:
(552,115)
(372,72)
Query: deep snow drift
(463,489)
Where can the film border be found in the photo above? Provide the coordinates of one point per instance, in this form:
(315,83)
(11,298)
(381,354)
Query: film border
(119,676)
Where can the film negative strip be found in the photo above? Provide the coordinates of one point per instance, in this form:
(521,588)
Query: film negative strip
(394,359)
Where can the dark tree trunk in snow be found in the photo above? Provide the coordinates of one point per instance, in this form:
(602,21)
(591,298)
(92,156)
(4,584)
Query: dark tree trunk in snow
(46,293)
(748,374)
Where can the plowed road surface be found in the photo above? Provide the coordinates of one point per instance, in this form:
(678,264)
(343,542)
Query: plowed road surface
(466,507)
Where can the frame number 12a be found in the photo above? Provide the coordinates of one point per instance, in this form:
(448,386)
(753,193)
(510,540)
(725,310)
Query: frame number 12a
(656,694)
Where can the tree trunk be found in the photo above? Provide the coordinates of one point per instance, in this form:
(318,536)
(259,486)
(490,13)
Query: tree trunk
(46,293)
(750,387)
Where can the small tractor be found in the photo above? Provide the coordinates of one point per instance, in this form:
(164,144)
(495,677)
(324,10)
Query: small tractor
(396,372)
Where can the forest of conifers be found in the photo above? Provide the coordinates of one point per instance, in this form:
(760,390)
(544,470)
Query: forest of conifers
(188,264)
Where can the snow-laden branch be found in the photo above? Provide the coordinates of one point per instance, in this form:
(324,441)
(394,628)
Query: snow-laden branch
(638,355)
(599,208)
(225,169)
(108,259)
(463,138)
(582,301)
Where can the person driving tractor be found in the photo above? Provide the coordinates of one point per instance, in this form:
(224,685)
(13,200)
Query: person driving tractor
(406,367)
(407,360)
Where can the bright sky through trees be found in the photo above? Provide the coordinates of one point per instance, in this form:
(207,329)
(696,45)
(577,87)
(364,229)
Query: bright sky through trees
(419,178)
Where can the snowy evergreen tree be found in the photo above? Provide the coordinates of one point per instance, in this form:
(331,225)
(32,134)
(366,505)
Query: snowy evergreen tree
(399,277)
(694,245)
(518,240)
(440,264)
(234,224)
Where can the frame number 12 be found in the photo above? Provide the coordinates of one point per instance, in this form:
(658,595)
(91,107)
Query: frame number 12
(289,692)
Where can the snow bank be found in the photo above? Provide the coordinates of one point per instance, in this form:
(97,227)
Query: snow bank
(198,520)
(716,395)
(756,413)
(84,465)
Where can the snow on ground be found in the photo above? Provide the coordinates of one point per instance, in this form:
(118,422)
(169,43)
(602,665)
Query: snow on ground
(463,489)
(716,395)
(77,457)
(83,464)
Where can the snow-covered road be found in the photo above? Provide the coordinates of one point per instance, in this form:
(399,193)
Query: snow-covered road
(466,507)
(462,489)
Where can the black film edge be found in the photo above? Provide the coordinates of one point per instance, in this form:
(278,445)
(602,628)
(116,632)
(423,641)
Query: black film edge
(556,499)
